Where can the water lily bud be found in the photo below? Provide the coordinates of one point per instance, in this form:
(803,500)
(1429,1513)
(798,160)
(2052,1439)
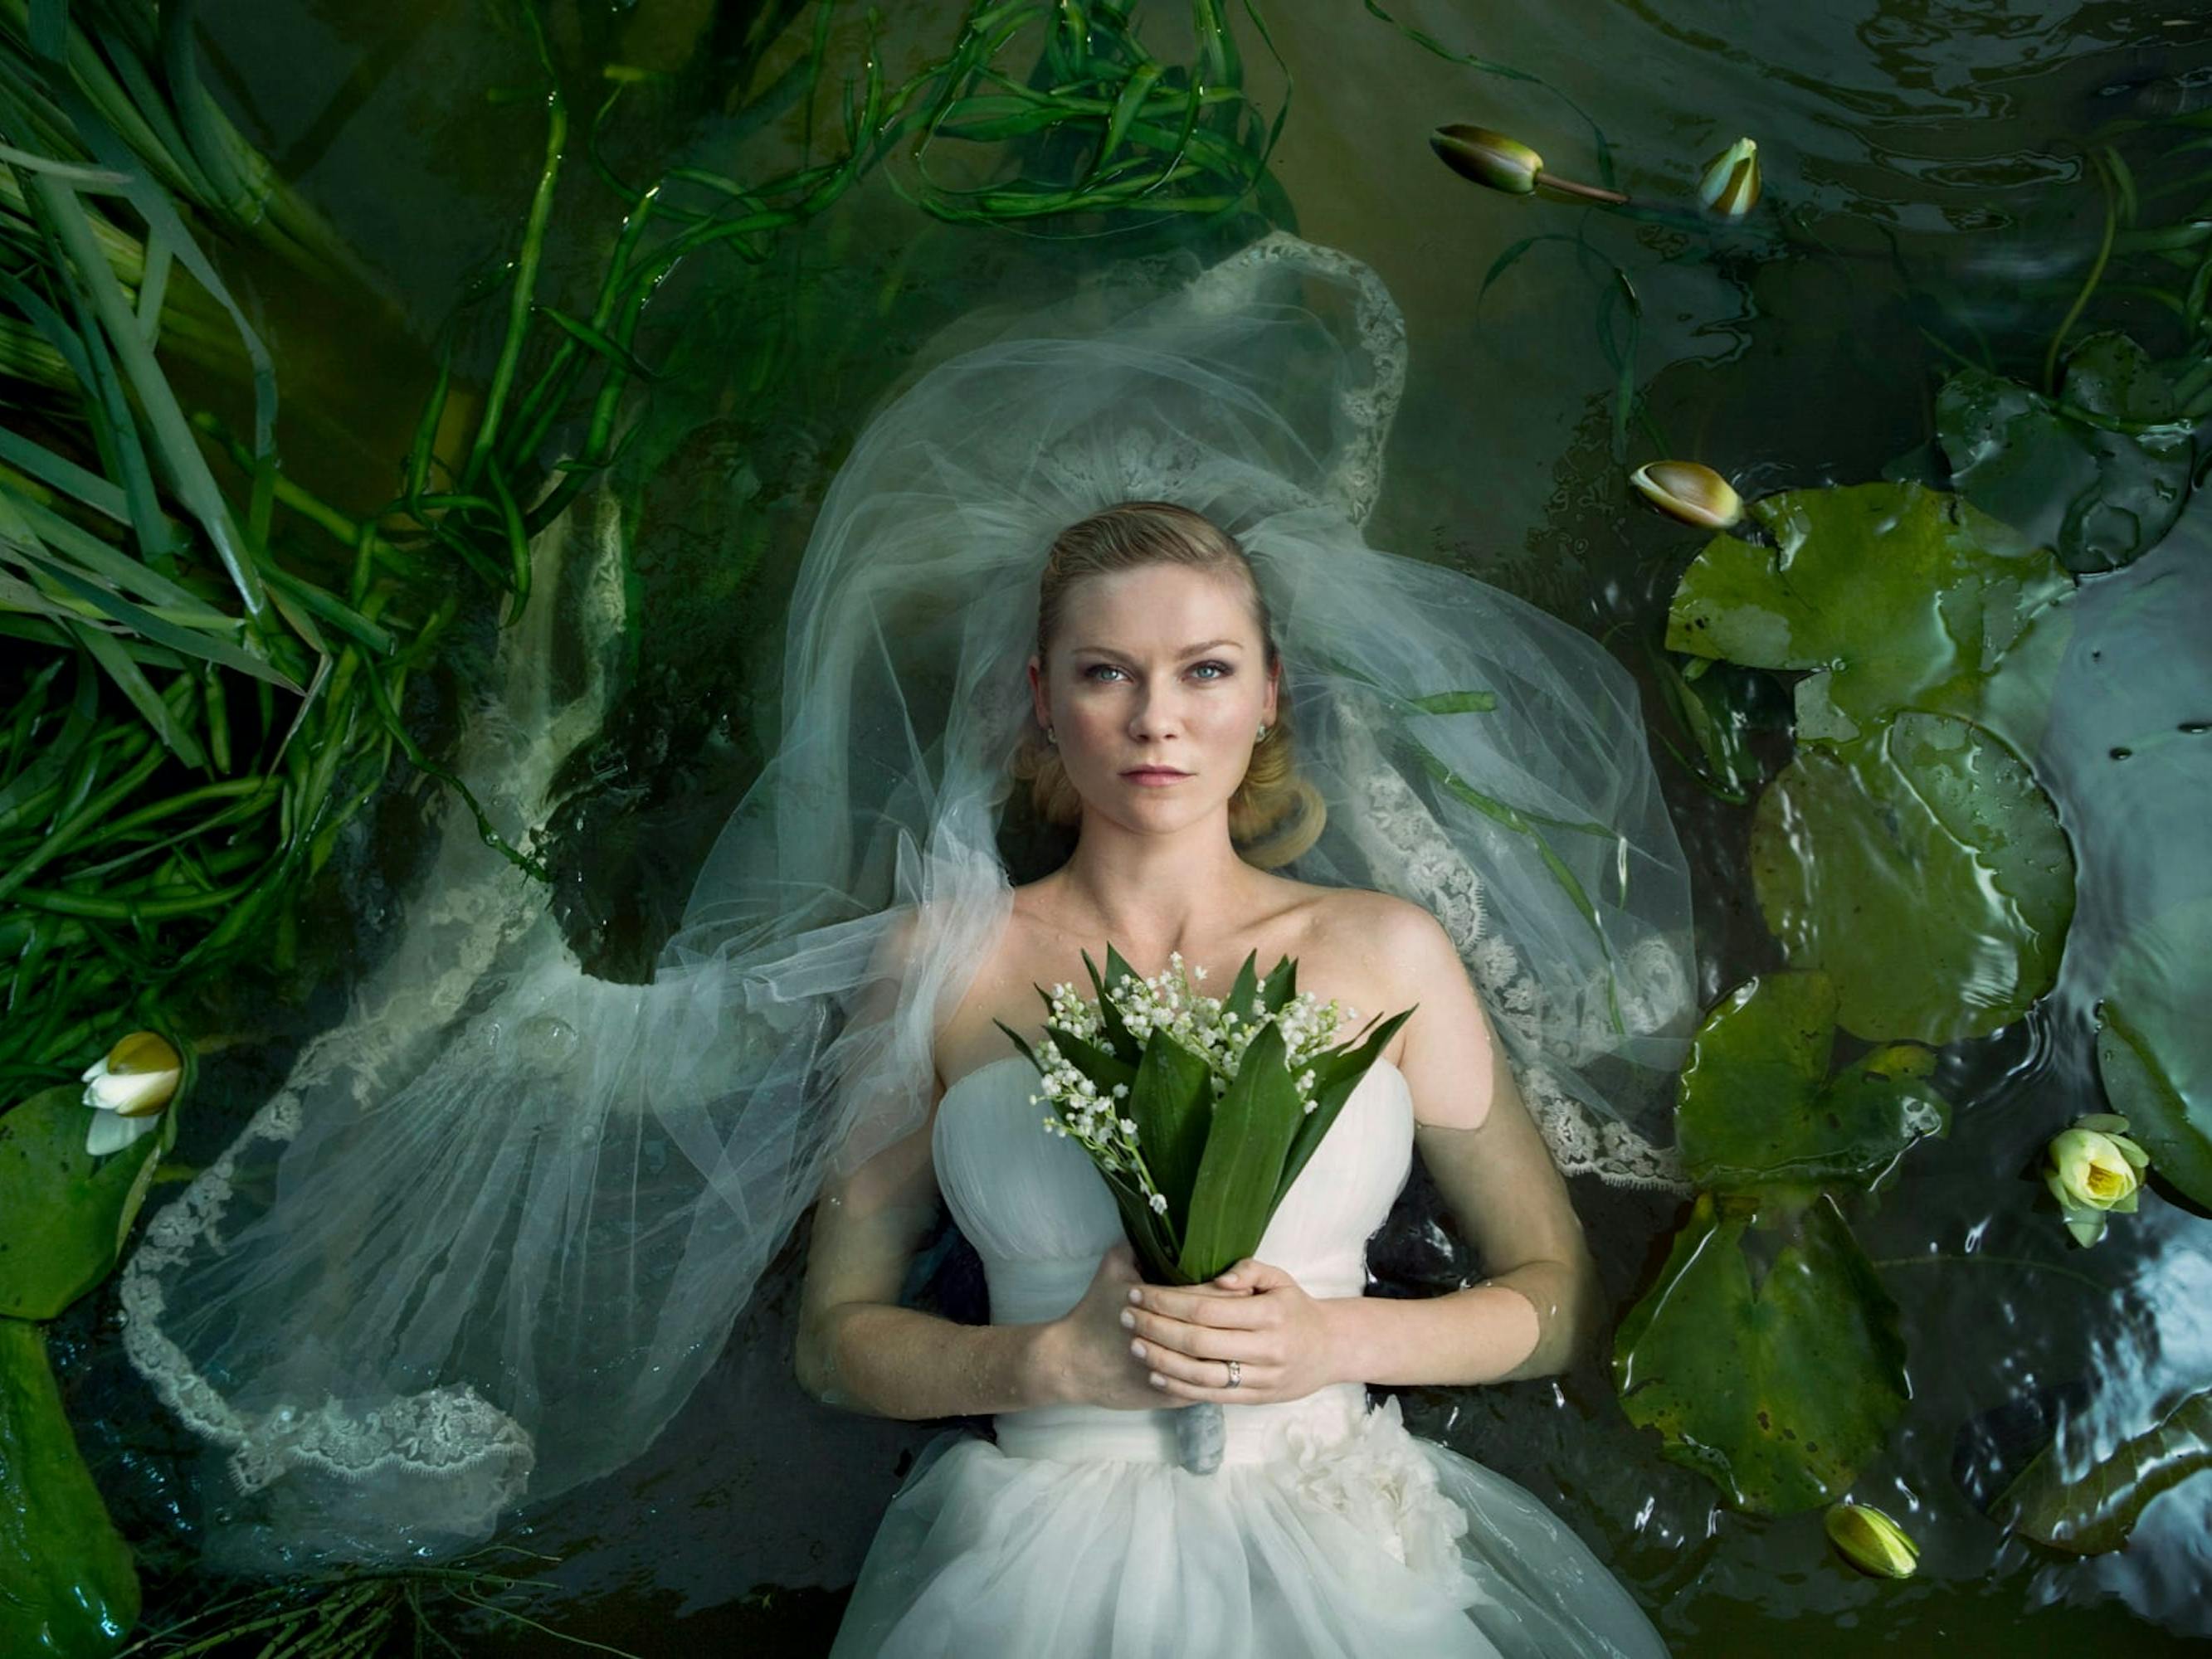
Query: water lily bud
(127,1087)
(2093,1169)
(1869,1539)
(1488,158)
(1731,183)
(1696,495)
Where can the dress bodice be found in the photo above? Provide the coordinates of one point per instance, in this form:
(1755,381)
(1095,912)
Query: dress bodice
(1040,1215)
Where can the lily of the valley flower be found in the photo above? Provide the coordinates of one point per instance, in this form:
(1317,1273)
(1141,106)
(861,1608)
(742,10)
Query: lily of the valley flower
(1696,495)
(1869,1539)
(2092,1170)
(126,1088)
(1491,158)
(1729,185)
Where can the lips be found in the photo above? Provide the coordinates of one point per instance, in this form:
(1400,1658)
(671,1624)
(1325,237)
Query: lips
(1154,772)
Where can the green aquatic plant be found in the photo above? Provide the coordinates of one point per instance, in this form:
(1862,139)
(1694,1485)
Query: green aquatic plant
(1779,1383)
(2092,1512)
(2153,1049)
(68,1585)
(1767,1356)
(1870,1541)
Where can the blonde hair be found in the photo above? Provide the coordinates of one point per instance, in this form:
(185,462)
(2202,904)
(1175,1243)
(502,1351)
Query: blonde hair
(1275,814)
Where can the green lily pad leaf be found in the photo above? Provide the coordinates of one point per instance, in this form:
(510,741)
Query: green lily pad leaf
(1894,595)
(68,1586)
(1756,1104)
(2154,1050)
(2100,497)
(1779,1388)
(1923,869)
(62,1212)
(2095,1511)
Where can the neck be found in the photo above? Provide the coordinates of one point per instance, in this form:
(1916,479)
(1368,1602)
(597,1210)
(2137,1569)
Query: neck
(1159,893)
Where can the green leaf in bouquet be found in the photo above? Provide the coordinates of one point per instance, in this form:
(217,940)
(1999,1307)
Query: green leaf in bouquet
(1171,1103)
(1126,1047)
(1281,988)
(1096,1063)
(1254,1123)
(1150,1233)
(1336,1074)
(1239,1000)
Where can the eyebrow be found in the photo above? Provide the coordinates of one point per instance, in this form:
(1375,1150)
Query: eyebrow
(1188,651)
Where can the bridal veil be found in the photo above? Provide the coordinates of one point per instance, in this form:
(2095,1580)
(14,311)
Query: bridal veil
(502,1217)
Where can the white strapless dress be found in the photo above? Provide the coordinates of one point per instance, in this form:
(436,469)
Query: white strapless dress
(1329,1529)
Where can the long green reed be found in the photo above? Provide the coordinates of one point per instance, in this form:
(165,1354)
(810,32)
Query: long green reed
(241,646)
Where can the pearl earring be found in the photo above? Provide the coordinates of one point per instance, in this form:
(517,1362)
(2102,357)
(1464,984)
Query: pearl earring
(1263,734)
(1048,736)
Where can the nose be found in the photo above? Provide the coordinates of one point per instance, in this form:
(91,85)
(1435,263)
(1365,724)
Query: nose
(1155,714)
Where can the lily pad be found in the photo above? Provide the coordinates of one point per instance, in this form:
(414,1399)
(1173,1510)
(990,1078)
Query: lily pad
(2100,496)
(1923,869)
(2095,1511)
(1757,1105)
(1780,1387)
(64,1212)
(67,1583)
(1894,595)
(2154,1049)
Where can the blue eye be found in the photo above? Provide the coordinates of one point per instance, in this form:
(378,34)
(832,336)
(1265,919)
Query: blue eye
(1226,671)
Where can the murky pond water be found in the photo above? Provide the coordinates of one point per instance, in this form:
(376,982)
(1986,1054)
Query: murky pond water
(1936,201)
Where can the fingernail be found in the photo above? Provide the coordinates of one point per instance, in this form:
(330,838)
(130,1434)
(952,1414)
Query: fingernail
(1158,1382)
(1135,1295)
(1138,1349)
(1228,1279)
(1129,1318)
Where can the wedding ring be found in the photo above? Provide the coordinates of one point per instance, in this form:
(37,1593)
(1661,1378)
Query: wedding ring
(1235,1375)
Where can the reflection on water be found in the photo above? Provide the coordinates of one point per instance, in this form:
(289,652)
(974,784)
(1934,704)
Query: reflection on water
(1930,162)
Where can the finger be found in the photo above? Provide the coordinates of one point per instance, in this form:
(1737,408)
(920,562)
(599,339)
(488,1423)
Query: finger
(1189,1303)
(1202,1372)
(1202,1341)
(1253,1274)
(1256,1389)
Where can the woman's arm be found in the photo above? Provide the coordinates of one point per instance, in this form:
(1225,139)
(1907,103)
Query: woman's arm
(857,1348)
(1538,1311)
(1534,1315)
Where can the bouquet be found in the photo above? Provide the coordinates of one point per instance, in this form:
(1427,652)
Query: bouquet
(1200,1112)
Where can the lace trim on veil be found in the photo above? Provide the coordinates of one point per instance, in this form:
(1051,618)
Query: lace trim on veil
(1407,848)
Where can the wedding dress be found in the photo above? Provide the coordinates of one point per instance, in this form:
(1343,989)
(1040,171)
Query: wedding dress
(1329,1528)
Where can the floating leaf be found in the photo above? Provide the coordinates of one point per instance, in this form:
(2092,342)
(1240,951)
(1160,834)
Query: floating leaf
(1779,1389)
(1895,596)
(1757,1104)
(67,1583)
(2095,1511)
(1923,868)
(2099,495)
(2155,1048)
(62,1212)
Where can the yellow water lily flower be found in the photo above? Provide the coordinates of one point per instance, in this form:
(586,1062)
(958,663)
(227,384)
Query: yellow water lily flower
(1869,1539)
(1730,183)
(2094,1170)
(127,1088)
(1696,495)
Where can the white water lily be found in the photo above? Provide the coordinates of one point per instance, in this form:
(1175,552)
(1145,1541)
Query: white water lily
(1869,1539)
(1730,183)
(2093,1169)
(127,1089)
(1693,493)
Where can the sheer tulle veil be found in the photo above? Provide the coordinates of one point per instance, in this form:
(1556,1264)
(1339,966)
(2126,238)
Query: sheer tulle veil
(502,1217)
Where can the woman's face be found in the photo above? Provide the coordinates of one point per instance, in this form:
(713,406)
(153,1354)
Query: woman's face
(1160,667)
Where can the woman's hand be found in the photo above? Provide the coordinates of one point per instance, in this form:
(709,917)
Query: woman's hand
(1085,1354)
(1253,1313)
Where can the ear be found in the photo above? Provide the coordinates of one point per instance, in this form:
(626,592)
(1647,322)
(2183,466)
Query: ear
(1037,691)
(1274,678)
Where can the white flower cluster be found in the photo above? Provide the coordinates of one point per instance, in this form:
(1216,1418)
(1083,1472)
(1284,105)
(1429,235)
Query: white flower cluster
(1170,1001)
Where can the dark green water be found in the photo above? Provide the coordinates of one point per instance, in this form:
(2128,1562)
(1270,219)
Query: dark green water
(1929,159)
